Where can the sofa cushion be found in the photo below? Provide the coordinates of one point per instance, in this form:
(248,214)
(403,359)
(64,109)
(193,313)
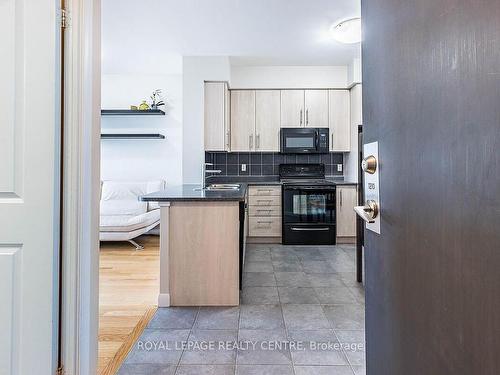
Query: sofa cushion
(130,191)
(127,223)
(123,207)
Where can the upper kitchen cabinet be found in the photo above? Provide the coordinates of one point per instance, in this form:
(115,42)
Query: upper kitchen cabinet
(292,108)
(217,127)
(243,120)
(267,120)
(316,108)
(340,140)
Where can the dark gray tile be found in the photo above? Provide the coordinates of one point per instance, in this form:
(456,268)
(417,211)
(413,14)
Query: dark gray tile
(335,295)
(158,347)
(326,158)
(258,266)
(267,158)
(256,158)
(174,318)
(264,370)
(290,158)
(218,318)
(258,279)
(261,317)
(220,158)
(245,172)
(284,255)
(313,158)
(232,158)
(287,265)
(346,316)
(258,256)
(259,352)
(292,279)
(222,168)
(278,159)
(218,355)
(243,158)
(232,169)
(209,157)
(321,347)
(205,370)
(317,266)
(260,295)
(304,317)
(146,369)
(323,370)
(303,159)
(324,280)
(267,170)
(256,170)
(297,295)
(337,158)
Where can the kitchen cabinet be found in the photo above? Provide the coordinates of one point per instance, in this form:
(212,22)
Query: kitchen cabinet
(242,120)
(292,108)
(264,207)
(316,108)
(267,120)
(216,116)
(340,121)
(347,198)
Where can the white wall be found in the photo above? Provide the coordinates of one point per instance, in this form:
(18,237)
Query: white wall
(142,159)
(196,70)
(282,77)
(354,72)
(351,161)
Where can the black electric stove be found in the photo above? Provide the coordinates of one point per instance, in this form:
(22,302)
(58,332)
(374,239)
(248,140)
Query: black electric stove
(308,205)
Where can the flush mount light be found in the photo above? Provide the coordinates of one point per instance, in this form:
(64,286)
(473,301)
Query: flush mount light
(347,31)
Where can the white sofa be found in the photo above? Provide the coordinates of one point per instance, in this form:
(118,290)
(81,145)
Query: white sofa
(123,217)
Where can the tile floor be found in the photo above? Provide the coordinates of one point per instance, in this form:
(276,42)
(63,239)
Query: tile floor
(298,305)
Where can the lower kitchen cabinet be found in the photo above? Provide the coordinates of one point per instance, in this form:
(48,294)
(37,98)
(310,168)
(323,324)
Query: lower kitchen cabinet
(347,198)
(264,208)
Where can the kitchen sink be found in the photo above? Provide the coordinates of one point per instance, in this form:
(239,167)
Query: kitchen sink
(223,187)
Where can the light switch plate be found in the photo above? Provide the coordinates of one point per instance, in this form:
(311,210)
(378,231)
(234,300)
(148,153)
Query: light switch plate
(339,167)
(243,167)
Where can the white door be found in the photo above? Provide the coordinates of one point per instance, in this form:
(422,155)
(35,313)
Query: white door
(267,120)
(29,196)
(316,108)
(242,120)
(292,108)
(340,121)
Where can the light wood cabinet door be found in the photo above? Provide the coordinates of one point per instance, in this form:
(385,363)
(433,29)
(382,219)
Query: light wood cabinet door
(347,198)
(340,119)
(316,108)
(267,120)
(242,120)
(292,108)
(215,127)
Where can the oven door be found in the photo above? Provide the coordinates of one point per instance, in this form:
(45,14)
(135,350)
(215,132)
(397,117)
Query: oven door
(309,204)
(299,140)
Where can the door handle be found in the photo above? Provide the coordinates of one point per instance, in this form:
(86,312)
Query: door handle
(309,229)
(368,212)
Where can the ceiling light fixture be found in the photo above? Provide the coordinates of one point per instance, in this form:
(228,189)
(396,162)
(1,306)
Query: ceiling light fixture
(347,31)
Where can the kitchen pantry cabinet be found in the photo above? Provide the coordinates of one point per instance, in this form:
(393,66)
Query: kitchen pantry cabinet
(347,198)
(216,119)
(301,108)
(255,120)
(340,121)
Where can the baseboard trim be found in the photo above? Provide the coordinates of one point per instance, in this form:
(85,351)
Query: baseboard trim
(263,239)
(346,240)
(164,300)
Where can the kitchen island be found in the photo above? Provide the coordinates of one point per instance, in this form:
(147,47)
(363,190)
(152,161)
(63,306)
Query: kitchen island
(201,240)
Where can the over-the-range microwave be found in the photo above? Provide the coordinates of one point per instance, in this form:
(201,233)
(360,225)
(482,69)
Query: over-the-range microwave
(304,140)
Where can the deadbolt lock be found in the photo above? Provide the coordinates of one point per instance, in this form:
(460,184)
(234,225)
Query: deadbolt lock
(369,164)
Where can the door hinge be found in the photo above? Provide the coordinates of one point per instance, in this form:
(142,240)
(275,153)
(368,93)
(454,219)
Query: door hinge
(60,370)
(64,18)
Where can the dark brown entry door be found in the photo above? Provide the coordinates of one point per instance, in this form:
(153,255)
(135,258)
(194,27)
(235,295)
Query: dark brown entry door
(431,98)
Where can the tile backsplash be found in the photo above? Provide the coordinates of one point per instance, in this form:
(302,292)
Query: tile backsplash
(267,163)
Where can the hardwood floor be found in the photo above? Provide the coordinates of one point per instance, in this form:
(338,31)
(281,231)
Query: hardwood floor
(128,292)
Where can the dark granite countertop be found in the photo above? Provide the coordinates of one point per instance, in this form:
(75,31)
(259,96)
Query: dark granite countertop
(191,192)
(267,180)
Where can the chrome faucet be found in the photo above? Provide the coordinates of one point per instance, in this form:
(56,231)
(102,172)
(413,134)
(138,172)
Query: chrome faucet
(204,172)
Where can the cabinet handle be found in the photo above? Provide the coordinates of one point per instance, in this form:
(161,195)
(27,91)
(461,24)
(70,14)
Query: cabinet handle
(300,117)
(227,139)
(250,141)
(307,116)
(257,141)
(341,200)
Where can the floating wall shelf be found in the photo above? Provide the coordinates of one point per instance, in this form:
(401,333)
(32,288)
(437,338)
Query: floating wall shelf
(132,136)
(132,112)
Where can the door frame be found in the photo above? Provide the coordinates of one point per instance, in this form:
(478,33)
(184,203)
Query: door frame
(80,242)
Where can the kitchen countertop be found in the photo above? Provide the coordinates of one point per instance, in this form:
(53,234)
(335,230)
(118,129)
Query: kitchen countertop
(267,180)
(187,193)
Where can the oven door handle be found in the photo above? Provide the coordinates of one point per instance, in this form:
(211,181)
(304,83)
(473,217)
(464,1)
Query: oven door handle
(322,188)
(309,229)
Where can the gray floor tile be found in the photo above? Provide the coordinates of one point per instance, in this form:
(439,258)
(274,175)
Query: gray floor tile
(323,370)
(292,279)
(348,278)
(264,370)
(359,370)
(284,255)
(287,266)
(258,246)
(260,295)
(335,295)
(174,318)
(354,345)
(218,355)
(218,318)
(346,316)
(258,279)
(146,369)
(320,347)
(304,317)
(152,347)
(324,280)
(258,256)
(315,266)
(205,370)
(345,265)
(359,292)
(258,266)
(261,317)
(260,352)
(297,295)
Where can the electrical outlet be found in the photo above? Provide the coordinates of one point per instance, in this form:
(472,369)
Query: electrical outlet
(339,167)
(243,167)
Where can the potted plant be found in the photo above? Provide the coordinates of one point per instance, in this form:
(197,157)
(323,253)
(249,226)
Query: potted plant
(156,99)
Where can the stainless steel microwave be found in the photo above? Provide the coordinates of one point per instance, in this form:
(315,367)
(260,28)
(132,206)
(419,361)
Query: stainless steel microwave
(304,140)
